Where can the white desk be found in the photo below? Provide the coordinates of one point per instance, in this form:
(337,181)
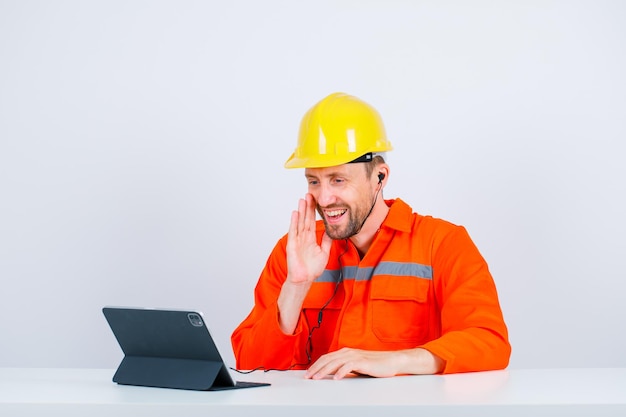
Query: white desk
(546,392)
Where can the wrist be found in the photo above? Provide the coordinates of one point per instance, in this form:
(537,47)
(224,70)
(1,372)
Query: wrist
(419,361)
(289,304)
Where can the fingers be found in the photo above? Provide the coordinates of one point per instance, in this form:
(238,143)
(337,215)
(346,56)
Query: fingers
(330,364)
(310,210)
(301,215)
(298,218)
(293,225)
(304,218)
(347,361)
(306,210)
(337,369)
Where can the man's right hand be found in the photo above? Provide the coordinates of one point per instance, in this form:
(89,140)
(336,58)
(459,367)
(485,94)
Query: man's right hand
(306,261)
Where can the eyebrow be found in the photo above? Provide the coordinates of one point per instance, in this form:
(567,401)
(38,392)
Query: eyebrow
(329,175)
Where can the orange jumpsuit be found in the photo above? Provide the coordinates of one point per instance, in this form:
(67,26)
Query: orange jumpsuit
(422,283)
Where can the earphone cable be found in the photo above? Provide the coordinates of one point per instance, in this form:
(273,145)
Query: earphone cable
(309,344)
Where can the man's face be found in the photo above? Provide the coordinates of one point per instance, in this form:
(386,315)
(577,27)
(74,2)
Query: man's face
(344,197)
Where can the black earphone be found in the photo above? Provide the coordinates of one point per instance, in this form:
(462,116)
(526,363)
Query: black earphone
(381,177)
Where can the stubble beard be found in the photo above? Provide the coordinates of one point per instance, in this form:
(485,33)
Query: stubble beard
(355,221)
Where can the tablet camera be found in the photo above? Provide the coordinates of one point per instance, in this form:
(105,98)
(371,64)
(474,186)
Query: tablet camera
(195,319)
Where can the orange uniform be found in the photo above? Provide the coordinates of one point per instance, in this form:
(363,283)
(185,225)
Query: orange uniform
(422,283)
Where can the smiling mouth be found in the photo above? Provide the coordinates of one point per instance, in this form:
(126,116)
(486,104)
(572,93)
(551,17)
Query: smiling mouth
(334,214)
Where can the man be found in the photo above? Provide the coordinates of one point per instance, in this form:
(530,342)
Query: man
(372,288)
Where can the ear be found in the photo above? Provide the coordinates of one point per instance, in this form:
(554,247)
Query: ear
(382,174)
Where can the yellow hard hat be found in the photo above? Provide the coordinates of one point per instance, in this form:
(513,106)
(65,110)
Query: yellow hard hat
(337,130)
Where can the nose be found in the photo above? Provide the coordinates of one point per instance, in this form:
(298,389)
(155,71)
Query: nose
(324,195)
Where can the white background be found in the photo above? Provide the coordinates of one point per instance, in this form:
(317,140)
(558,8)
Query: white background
(142,146)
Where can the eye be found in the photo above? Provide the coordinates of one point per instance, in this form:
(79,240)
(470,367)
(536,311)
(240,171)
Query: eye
(313,182)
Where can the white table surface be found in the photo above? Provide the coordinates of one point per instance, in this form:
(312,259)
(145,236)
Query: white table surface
(532,392)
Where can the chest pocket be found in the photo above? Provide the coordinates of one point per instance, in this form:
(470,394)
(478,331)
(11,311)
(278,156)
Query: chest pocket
(400,309)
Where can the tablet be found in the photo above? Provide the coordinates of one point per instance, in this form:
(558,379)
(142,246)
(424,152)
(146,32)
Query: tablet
(168,349)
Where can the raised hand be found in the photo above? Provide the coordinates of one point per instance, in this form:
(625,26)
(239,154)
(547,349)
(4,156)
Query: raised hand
(306,261)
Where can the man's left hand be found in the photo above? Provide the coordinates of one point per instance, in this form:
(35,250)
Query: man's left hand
(374,363)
